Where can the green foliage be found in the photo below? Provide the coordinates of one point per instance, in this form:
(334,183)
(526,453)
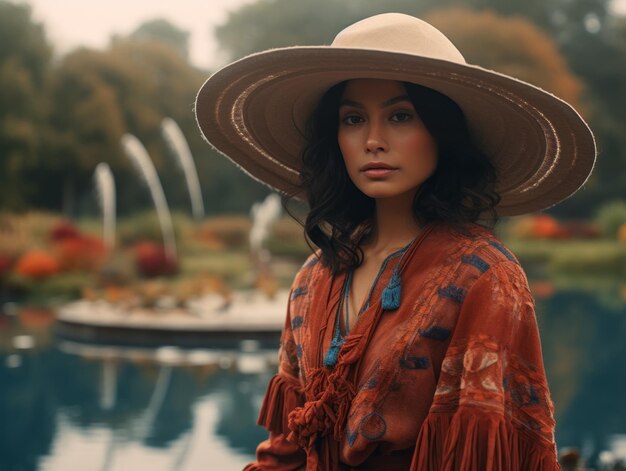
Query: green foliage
(161,30)
(610,217)
(58,120)
(513,46)
(24,59)
(583,38)
(599,257)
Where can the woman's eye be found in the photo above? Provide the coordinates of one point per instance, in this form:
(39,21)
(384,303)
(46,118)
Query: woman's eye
(401,116)
(351,120)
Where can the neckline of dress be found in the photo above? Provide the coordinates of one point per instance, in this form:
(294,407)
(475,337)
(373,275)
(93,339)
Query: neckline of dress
(366,302)
(338,338)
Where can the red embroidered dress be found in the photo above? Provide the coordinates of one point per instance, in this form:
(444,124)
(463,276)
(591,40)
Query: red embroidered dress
(451,379)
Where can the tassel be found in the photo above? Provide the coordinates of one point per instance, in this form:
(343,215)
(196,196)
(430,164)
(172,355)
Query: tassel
(330,360)
(391,293)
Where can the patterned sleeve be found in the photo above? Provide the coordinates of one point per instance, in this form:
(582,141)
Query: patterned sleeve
(492,408)
(284,393)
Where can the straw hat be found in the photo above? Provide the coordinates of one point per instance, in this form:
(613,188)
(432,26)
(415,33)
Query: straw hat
(254,110)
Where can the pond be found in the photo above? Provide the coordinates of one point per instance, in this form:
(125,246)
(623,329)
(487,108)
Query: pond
(66,405)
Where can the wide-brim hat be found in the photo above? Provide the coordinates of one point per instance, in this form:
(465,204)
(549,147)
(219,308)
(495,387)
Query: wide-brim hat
(255,110)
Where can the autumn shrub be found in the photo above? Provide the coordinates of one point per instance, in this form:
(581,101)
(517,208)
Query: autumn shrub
(610,217)
(152,260)
(81,253)
(64,230)
(139,227)
(33,227)
(581,229)
(145,226)
(6,263)
(37,264)
(19,233)
(540,226)
(232,231)
(36,317)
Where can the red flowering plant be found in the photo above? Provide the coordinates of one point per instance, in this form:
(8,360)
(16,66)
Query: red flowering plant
(76,251)
(153,260)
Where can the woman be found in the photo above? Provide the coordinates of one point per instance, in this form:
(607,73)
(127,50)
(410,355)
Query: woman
(410,340)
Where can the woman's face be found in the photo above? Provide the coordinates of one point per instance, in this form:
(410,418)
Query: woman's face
(385,146)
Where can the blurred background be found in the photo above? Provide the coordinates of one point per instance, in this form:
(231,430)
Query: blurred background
(112,205)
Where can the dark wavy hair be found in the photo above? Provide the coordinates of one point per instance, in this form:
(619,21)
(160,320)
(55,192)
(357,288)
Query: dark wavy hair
(460,191)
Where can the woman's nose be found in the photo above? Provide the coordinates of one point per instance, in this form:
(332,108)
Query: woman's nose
(375,141)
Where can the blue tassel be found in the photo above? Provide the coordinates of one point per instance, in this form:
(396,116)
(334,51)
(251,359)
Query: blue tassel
(391,293)
(330,360)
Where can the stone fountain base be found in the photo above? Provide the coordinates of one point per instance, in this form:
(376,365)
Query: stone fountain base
(204,321)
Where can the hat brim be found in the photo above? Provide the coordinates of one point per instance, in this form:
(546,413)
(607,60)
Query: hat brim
(254,111)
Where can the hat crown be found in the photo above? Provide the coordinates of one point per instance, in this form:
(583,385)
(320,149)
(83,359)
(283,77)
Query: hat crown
(396,32)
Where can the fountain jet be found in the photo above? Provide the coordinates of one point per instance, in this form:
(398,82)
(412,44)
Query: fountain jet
(105,187)
(138,155)
(179,147)
(263,216)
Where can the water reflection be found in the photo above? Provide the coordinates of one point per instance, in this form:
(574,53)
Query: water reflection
(584,340)
(66,405)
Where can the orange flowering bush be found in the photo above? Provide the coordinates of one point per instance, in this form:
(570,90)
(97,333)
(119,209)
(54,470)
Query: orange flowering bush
(621,233)
(541,226)
(84,253)
(37,264)
(546,227)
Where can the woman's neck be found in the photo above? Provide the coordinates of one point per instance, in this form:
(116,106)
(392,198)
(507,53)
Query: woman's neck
(394,227)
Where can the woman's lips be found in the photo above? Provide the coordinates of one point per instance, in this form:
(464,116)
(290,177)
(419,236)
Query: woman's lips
(377,170)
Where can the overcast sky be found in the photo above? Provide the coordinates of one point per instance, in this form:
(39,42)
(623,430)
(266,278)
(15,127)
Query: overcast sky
(72,23)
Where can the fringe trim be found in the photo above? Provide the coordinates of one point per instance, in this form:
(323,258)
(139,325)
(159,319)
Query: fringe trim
(283,395)
(253,467)
(468,440)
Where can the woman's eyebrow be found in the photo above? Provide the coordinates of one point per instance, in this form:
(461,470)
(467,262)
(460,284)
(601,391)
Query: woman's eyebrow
(384,104)
(394,100)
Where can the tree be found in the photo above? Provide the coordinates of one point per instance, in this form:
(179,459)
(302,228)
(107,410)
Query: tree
(510,45)
(161,30)
(98,96)
(24,58)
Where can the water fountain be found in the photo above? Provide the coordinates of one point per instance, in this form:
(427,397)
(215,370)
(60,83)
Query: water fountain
(179,147)
(141,160)
(105,187)
(263,216)
(256,314)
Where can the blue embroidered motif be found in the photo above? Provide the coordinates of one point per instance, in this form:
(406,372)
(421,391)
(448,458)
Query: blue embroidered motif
(502,249)
(311,262)
(414,363)
(373,426)
(436,333)
(452,292)
(351,436)
(371,382)
(299,351)
(476,261)
(533,396)
(299,291)
(296,322)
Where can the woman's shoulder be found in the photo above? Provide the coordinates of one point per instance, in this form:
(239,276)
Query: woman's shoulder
(466,253)
(476,244)
(311,266)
